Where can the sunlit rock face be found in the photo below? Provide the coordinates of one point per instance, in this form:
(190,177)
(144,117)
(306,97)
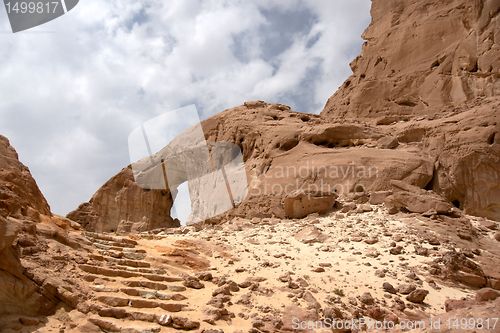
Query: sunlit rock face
(121,204)
(22,207)
(419,56)
(19,193)
(429,70)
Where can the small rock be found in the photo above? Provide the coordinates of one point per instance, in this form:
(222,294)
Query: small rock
(389,288)
(417,296)
(421,251)
(26,321)
(184,324)
(332,313)
(396,250)
(365,208)
(204,276)
(367,299)
(193,282)
(464,236)
(433,241)
(487,294)
(406,289)
(371,241)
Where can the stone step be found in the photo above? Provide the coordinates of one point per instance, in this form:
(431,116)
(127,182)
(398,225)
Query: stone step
(153,271)
(132,317)
(124,326)
(112,243)
(96,270)
(92,278)
(118,248)
(148,294)
(111,238)
(121,254)
(140,303)
(150,285)
(122,262)
(143,293)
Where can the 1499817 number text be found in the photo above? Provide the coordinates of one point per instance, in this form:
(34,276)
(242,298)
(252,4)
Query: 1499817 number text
(37,7)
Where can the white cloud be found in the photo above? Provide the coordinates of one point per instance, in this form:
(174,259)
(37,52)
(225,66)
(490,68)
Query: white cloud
(73,89)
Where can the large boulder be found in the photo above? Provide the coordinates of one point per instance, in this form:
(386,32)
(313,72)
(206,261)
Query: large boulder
(299,204)
(416,200)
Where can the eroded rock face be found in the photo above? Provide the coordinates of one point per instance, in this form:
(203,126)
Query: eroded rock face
(122,205)
(419,56)
(283,152)
(416,200)
(300,204)
(429,70)
(21,206)
(19,193)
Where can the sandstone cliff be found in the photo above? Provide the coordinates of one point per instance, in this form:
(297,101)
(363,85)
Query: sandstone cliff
(28,286)
(420,56)
(434,65)
(20,198)
(122,205)
(19,193)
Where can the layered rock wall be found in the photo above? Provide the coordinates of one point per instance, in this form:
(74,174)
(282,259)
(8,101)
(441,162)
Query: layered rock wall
(420,56)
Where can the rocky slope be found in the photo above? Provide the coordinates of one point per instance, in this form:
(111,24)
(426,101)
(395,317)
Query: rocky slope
(270,274)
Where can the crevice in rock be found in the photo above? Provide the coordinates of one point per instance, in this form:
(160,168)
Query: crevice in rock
(289,144)
(324,143)
(491,138)
(430,185)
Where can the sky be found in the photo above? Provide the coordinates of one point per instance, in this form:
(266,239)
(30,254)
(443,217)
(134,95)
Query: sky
(72,90)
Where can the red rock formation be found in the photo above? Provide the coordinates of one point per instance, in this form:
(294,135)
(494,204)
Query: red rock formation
(420,56)
(434,65)
(22,202)
(19,193)
(122,204)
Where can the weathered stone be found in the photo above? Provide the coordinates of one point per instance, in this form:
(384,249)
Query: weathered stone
(417,296)
(300,204)
(487,294)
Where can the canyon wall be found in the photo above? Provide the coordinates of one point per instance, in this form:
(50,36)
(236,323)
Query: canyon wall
(421,56)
